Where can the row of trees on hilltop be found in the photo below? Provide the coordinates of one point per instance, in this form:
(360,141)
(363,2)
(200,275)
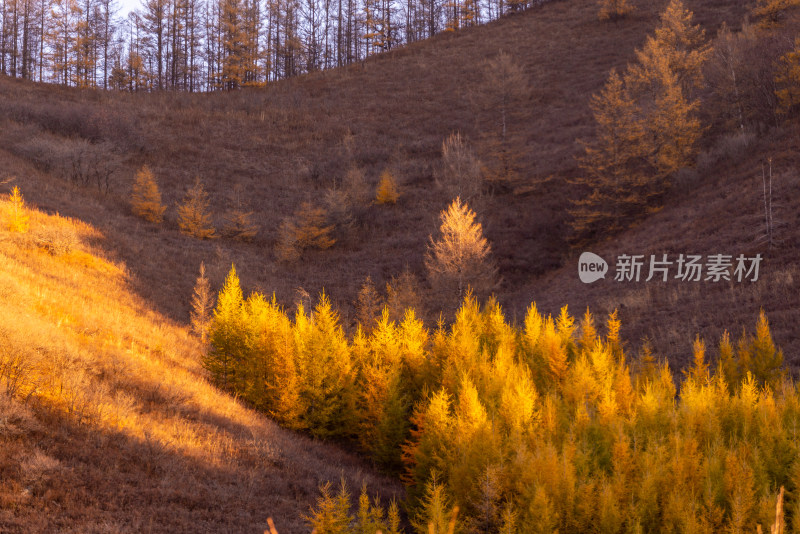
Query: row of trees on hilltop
(550,425)
(197,45)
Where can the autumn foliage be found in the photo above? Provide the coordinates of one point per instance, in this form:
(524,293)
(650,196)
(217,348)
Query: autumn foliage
(646,128)
(550,425)
(18,219)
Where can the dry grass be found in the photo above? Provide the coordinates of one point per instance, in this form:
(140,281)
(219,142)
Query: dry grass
(111,426)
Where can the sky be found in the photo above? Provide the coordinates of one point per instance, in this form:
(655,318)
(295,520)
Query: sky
(126,6)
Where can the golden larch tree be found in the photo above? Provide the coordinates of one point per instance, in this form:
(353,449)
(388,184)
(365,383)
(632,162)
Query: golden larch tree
(772,12)
(614,164)
(460,257)
(239,223)
(145,196)
(673,127)
(787,80)
(194,218)
(18,220)
(679,42)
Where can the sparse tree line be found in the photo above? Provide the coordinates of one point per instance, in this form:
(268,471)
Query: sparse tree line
(648,118)
(204,45)
(550,425)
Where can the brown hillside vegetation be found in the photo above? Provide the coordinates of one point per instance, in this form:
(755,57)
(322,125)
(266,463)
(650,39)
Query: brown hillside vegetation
(291,147)
(107,423)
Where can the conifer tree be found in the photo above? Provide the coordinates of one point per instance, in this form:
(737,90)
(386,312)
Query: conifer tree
(437,515)
(308,228)
(369,518)
(673,127)
(19,220)
(331,515)
(145,196)
(759,355)
(679,44)
(787,80)
(239,225)
(227,335)
(202,305)
(403,293)
(460,257)
(387,192)
(327,375)
(614,165)
(193,215)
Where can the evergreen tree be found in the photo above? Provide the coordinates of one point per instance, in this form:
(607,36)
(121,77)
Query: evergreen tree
(145,196)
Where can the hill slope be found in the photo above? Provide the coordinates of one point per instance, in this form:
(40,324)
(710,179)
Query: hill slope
(112,427)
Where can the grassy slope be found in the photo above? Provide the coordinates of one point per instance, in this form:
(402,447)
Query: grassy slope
(120,431)
(283,146)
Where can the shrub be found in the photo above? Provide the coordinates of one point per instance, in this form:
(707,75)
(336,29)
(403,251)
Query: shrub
(57,240)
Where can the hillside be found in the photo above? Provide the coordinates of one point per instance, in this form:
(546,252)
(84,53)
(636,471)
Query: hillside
(115,426)
(111,425)
(276,148)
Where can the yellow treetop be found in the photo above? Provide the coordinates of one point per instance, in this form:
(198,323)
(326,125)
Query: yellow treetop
(19,217)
